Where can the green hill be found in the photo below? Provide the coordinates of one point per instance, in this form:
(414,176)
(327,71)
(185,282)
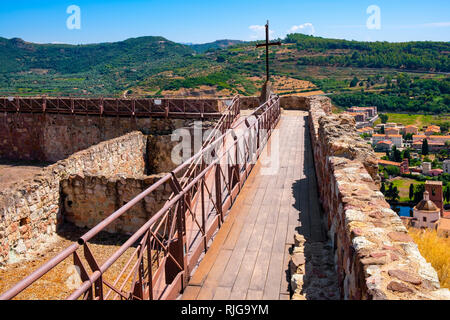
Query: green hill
(219,44)
(398,76)
(18,55)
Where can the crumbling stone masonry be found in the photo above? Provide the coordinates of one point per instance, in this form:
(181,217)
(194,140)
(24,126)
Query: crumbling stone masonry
(286,102)
(374,255)
(89,200)
(53,137)
(30,210)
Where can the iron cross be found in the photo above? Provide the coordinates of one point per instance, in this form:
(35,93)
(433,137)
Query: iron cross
(267,45)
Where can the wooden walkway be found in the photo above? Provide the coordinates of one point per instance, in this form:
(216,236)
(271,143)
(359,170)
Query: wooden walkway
(249,256)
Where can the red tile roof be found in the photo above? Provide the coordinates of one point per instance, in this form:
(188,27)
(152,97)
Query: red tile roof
(389,163)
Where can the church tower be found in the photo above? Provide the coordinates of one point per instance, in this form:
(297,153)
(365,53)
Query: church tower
(434,188)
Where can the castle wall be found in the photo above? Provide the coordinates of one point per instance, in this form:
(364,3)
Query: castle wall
(53,137)
(30,210)
(374,255)
(286,102)
(88,200)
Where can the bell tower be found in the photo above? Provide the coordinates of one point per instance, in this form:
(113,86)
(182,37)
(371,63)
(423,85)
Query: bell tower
(434,188)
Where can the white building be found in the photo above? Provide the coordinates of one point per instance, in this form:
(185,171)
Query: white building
(426,168)
(396,139)
(426,213)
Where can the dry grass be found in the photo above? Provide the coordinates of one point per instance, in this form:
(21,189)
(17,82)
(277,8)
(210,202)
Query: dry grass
(56,284)
(436,251)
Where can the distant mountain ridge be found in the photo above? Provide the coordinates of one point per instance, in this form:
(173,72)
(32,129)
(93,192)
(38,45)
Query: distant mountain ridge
(218,44)
(156,66)
(17,55)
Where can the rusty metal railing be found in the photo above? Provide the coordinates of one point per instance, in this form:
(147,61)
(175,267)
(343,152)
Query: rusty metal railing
(101,106)
(166,248)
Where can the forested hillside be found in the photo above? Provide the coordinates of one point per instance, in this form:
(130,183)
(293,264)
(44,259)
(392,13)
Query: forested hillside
(421,56)
(410,77)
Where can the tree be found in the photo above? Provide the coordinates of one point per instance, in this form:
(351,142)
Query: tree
(393,193)
(384,118)
(393,171)
(354,82)
(447,144)
(383,188)
(406,154)
(411,191)
(397,155)
(425,148)
(447,194)
(418,193)
(408,136)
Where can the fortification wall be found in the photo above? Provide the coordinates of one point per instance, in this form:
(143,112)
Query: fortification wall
(374,255)
(88,200)
(30,210)
(53,137)
(286,102)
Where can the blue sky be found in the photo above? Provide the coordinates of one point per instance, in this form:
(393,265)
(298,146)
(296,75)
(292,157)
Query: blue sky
(200,21)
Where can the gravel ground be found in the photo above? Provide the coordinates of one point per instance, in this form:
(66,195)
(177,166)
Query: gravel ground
(14,171)
(58,283)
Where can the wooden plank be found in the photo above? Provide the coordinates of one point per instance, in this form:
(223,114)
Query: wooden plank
(191,293)
(222,293)
(247,213)
(279,242)
(240,287)
(235,261)
(272,286)
(258,278)
(254,295)
(284,296)
(274,206)
(212,281)
(260,271)
(229,225)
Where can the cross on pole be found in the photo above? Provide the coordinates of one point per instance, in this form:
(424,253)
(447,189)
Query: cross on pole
(267,45)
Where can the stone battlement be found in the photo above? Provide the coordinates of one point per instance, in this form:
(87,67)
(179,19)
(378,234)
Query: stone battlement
(31,210)
(374,255)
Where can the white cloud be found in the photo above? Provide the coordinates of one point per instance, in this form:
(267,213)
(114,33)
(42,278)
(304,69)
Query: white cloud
(306,28)
(259,32)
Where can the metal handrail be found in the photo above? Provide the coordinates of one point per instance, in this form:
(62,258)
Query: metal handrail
(110,106)
(267,116)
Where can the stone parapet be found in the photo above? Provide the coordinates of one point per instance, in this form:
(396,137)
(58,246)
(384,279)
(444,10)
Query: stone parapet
(88,200)
(374,255)
(54,137)
(30,210)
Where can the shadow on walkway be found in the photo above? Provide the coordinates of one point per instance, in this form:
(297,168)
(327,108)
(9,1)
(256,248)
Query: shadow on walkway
(314,252)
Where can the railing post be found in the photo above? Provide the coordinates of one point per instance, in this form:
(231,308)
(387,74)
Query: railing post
(149,266)
(219,193)
(182,247)
(202,198)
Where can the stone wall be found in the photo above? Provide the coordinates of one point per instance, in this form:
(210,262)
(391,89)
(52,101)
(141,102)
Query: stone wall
(53,137)
(374,255)
(294,103)
(30,210)
(286,102)
(251,102)
(88,200)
